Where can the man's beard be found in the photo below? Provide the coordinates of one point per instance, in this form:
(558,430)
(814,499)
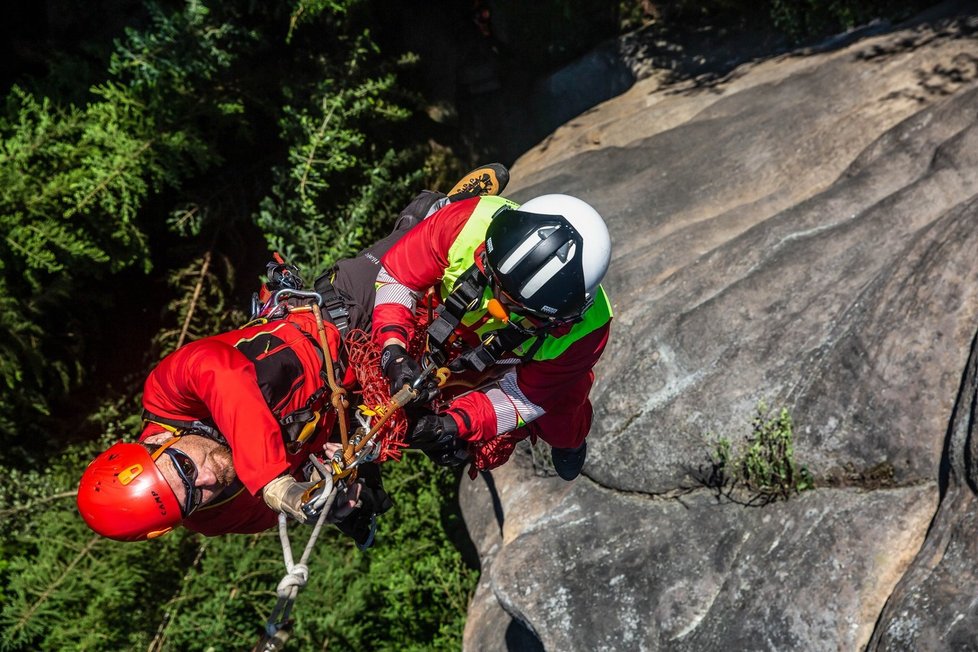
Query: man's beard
(223,465)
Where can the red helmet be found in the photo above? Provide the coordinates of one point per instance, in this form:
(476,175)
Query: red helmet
(122,494)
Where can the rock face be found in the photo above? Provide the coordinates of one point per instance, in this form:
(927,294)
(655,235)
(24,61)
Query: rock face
(804,233)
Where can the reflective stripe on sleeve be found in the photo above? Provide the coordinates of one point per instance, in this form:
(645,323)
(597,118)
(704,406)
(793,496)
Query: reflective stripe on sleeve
(390,290)
(511,406)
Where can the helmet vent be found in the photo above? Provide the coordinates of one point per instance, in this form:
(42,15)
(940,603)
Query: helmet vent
(542,276)
(517,255)
(566,252)
(130,473)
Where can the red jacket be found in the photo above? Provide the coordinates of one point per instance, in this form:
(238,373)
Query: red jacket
(244,381)
(551,396)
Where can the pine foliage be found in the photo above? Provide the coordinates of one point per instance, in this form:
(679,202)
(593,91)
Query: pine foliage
(66,588)
(73,180)
(345,178)
(158,172)
(200,305)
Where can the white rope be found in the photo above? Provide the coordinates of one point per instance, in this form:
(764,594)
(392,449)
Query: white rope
(297,575)
(295,579)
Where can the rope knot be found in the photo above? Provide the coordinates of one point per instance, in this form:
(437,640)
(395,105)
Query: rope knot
(293,581)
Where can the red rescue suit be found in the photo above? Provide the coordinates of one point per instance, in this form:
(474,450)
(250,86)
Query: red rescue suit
(246,382)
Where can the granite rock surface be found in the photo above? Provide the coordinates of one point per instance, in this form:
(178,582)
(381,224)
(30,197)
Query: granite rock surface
(801,233)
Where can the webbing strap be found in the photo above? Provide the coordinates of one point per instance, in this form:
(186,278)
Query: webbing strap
(186,427)
(333,303)
(463,298)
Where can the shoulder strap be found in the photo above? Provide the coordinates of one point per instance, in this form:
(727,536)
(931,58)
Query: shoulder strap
(205,428)
(464,297)
(333,303)
(498,345)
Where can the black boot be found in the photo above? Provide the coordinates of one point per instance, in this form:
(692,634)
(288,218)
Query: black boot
(569,461)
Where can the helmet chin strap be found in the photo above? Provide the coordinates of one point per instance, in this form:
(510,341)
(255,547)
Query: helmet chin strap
(155,455)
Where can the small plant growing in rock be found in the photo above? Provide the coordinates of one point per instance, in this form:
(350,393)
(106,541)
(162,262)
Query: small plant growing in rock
(764,469)
(543,466)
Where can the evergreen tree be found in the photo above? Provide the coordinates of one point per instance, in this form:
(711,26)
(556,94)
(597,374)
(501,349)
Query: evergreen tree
(352,161)
(75,180)
(158,172)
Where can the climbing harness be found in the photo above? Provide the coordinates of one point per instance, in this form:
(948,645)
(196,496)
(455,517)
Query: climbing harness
(496,347)
(381,428)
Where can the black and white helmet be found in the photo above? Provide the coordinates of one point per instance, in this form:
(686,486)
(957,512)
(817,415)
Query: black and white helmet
(549,255)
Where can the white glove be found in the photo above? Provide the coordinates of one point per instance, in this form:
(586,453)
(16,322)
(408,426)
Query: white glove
(287,496)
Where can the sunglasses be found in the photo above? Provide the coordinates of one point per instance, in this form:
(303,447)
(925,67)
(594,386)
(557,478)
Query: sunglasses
(187,470)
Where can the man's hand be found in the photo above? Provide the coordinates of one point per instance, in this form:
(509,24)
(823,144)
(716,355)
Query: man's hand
(286,495)
(399,368)
(437,436)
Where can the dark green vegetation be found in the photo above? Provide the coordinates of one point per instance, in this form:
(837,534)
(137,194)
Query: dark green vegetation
(153,154)
(146,177)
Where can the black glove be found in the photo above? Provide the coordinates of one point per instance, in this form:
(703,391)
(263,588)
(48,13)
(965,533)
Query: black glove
(360,522)
(399,368)
(436,435)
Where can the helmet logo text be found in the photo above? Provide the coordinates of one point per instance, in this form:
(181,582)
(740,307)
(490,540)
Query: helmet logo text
(159,503)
